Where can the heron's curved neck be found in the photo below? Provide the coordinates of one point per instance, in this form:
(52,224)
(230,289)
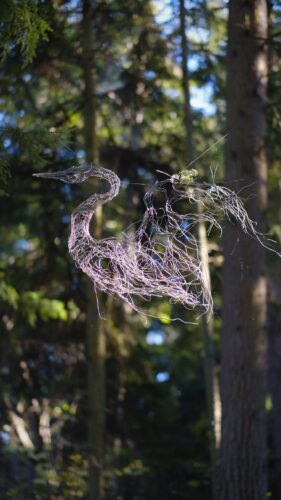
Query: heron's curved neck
(82,215)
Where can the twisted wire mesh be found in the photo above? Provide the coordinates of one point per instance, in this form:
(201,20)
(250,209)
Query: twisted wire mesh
(160,256)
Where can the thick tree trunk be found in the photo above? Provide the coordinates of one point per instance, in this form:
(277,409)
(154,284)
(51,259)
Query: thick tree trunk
(274,377)
(243,381)
(95,343)
(211,382)
(274,304)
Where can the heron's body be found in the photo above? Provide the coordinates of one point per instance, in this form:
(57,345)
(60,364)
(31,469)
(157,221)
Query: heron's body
(162,260)
(135,269)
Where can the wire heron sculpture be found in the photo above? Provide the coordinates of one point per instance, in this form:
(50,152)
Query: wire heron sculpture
(161,259)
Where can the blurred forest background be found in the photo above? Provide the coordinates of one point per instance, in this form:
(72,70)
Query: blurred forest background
(129,408)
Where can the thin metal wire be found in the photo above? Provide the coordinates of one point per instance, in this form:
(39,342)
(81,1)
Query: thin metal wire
(159,256)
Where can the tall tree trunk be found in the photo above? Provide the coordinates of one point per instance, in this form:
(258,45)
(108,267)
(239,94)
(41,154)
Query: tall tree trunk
(274,376)
(211,382)
(274,301)
(243,380)
(94,328)
(189,146)
(212,386)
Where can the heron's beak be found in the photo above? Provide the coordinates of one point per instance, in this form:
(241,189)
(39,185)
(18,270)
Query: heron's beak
(51,175)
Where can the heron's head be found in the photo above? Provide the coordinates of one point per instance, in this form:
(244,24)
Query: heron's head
(71,175)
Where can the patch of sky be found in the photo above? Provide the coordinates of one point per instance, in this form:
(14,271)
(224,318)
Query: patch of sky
(7,143)
(163,10)
(194,62)
(74,11)
(185,224)
(5,437)
(150,74)
(27,77)
(172,93)
(199,34)
(21,246)
(109,86)
(125,183)
(155,337)
(200,99)
(67,191)
(7,120)
(14,148)
(66,219)
(162,377)
(80,154)
(65,153)
(54,358)
(111,77)
(164,15)
(144,174)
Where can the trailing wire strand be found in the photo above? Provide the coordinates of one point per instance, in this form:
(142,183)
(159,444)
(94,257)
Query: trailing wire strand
(162,257)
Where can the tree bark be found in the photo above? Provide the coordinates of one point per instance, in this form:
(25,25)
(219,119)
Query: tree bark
(243,379)
(185,85)
(211,380)
(274,377)
(95,332)
(274,301)
(211,373)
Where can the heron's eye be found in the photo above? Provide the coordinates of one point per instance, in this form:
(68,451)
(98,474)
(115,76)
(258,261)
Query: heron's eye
(75,177)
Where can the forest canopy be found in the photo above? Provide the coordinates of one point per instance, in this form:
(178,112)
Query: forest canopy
(97,400)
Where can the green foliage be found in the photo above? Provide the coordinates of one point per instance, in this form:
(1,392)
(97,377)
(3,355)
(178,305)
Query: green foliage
(8,293)
(30,144)
(276,230)
(4,173)
(185,176)
(36,306)
(156,429)
(21,26)
(67,481)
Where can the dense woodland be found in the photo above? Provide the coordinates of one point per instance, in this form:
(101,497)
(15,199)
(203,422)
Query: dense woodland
(111,404)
